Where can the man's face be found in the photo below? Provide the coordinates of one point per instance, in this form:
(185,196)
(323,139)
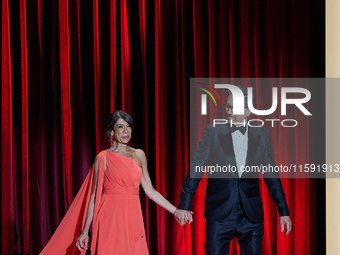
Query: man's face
(231,116)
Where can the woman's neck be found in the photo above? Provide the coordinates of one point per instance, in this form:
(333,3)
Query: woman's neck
(119,147)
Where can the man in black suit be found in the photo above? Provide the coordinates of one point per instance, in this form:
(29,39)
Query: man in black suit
(233,205)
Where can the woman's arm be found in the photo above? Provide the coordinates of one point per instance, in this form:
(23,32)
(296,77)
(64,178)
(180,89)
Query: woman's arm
(148,188)
(147,185)
(83,239)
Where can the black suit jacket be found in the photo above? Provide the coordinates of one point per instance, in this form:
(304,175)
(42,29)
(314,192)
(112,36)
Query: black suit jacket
(216,148)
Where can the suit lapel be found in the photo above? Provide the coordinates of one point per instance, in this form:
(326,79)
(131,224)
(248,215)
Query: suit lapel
(253,143)
(226,142)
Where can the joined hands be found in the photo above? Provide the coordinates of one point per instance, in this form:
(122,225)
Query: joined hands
(183,216)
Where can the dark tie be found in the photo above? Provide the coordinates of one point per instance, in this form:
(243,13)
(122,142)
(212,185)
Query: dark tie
(242,129)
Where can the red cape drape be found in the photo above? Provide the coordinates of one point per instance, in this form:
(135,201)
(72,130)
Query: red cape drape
(65,237)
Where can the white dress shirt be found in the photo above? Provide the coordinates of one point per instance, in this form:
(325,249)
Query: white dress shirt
(240,143)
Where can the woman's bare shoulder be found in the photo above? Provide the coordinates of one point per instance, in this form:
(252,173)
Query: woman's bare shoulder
(139,155)
(138,151)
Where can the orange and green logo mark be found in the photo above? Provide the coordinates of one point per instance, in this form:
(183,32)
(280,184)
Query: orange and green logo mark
(204,96)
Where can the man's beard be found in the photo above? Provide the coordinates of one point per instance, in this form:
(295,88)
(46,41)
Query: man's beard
(231,117)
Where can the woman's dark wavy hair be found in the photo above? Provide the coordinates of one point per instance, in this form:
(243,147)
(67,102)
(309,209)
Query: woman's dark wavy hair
(113,117)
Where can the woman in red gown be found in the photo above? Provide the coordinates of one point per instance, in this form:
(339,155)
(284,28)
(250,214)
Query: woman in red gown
(109,199)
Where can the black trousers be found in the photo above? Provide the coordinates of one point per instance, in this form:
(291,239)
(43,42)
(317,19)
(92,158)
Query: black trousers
(219,234)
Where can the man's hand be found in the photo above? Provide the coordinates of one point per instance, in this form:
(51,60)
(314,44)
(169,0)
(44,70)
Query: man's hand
(285,220)
(183,216)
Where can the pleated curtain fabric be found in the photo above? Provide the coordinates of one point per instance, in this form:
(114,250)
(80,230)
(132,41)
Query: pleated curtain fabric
(66,65)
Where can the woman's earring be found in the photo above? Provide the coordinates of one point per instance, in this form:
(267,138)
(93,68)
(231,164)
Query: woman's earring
(111,140)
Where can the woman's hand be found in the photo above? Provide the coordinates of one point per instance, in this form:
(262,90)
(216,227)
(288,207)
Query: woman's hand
(183,216)
(82,241)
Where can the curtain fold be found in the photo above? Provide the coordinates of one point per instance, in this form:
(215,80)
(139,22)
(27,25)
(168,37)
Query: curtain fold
(66,65)
(24,134)
(7,201)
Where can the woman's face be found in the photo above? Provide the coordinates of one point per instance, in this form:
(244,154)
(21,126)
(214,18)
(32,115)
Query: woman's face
(122,131)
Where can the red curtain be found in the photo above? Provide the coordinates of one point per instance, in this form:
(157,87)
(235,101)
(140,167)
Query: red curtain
(67,64)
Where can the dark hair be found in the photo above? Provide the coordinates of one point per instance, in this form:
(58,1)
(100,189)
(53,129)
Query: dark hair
(113,118)
(245,94)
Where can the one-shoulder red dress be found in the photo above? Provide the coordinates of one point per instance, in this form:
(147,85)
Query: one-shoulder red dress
(117,226)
